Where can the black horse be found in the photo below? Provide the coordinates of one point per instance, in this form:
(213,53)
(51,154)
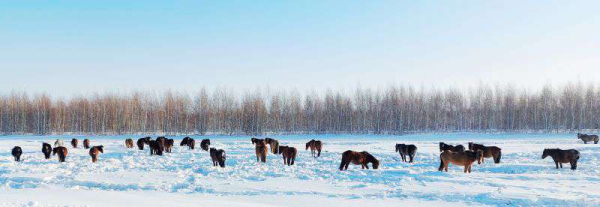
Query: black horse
(410,150)
(47,150)
(218,157)
(17,152)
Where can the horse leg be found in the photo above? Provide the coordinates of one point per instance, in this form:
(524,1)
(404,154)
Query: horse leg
(342,165)
(293,160)
(560,165)
(556,163)
(411,158)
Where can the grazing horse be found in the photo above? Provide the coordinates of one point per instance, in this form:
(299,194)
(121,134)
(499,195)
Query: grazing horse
(410,150)
(46,149)
(58,143)
(446,147)
(464,158)
(169,145)
(140,143)
(86,143)
(62,153)
(261,149)
(204,144)
(188,141)
(289,154)
(358,158)
(218,157)
(315,147)
(562,156)
(156,148)
(17,152)
(588,138)
(129,143)
(74,143)
(95,151)
(273,144)
(488,151)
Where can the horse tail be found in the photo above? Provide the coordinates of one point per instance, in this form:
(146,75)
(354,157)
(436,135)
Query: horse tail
(497,158)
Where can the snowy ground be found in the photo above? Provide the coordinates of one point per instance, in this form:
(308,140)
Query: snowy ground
(126,177)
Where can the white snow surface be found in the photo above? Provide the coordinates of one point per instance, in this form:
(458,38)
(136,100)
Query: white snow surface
(130,177)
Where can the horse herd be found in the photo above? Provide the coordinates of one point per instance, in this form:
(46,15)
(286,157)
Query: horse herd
(449,154)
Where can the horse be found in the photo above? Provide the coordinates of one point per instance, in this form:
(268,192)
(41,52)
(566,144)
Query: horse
(204,144)
(188,141)
(588,138)
(562,156)
(410,150)
(464,158)
(156,148)
(315,146)
(289,154)
(457,148)
(95,151)
(17,152)
(62,153)
(140,143)
(358,158)
(256,140)
(58,143)
(488,151)
(218,157)
(169,145)
(129,143)
(86,143)
(273,144)
(46,149)
(260,150)
(162,140)
(74,143)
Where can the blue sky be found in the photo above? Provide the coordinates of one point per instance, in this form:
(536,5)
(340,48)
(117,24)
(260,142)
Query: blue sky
(77,47)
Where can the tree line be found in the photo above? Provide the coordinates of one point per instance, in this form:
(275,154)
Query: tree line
(390,110)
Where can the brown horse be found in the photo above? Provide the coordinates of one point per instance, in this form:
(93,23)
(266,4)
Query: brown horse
(410,150)
(588,138)
(62,153)
(46,149)
(86,143)
(358,158)
(156,148)
(261,149)
(129,143)
(17,152)
(141,142)
(562,156)
(447,147)
(74,143)
(218,157)
(204,144)
(465,158)
(289,154)
(488,151)
(169,145)
(188,141)
(273,144)
(162,140)
(315,147)
(95,151)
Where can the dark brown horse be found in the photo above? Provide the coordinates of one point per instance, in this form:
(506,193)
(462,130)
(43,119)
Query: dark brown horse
(86,143)
(74,143)
(562,156)
(404,150)
(162,140)
(218,157)
(273,144)
(156,148)
(140,143)
(46,149)
(17,152)
(289,154)
(169,145)
(447,147)
(358,158)
(315,147)
(129,143)
(261,149)
(204,144)
(188,141)
(62,153)
(95,151)
(488,151)
(588,138)
(464,158)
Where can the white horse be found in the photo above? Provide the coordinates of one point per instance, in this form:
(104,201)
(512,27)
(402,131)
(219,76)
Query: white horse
(58,143)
